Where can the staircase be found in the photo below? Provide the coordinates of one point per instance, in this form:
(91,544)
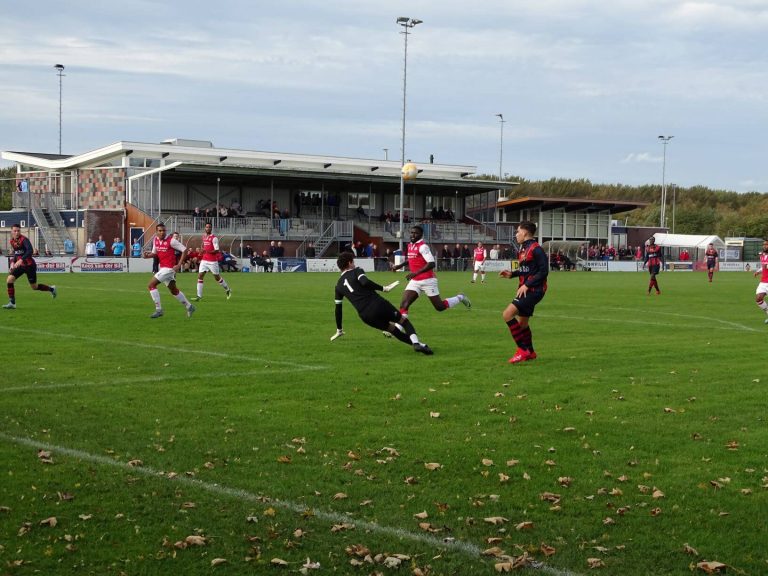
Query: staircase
(51,225)
(336,231)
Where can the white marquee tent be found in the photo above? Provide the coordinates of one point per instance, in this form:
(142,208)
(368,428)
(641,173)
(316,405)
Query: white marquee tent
(694,243)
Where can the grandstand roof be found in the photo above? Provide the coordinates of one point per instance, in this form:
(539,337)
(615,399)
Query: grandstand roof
(195,158)
(570,204)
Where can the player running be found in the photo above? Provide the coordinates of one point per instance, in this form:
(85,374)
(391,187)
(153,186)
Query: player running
(372,308)
(164,248)
(421,277)
(22,263)
(532,272)
(711,257)
(478,262)
(762,287)
(209,262)
(654,259)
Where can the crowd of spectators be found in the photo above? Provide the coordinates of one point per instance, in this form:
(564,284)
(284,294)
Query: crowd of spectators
(606,252)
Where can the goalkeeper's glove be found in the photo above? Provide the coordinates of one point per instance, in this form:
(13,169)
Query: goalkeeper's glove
(338,334)
(389,287)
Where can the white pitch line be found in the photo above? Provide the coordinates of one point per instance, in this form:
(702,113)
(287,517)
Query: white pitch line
(466,548)
(190,351)
(733,327)
(139,380)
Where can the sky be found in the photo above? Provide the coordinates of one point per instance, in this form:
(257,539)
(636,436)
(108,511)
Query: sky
(585,86)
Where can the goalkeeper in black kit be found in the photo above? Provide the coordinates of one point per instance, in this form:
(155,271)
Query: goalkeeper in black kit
(371,307)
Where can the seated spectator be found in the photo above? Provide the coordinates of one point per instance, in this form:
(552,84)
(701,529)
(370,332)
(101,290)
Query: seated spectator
(228,262)
(264,261)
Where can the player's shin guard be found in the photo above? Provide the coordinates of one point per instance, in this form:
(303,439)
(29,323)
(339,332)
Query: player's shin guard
(11,293)
(452,301)
(199,288)
(223,283)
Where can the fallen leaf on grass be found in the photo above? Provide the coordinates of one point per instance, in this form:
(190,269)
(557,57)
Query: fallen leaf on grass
(712,567)
(218,561)
(278,562)
(494,551)
(495,520)
(341,527)
(339,496)
(503,477)
(487,462)
(432,465)
(527,525)
(547,550)
(135,463)
(195,540)
(285,459)
(690,550)
(549,497)
(434,414)
(427,527)
(421,515)
(595,563)
(49,522)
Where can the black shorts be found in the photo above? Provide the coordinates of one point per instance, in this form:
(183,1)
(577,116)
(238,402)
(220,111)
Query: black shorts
(653,269)
(29,269)
(527,303)
(379,314)
(710,266)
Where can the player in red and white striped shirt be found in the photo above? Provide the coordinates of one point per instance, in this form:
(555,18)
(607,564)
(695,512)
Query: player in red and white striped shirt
(164,248)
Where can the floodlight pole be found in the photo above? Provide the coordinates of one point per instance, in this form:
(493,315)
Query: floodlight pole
(407,23)
(60,73)
(664,140)
(501,163)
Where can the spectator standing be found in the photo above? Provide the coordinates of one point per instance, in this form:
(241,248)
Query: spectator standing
(372,308)
(309,251)
(118,248)
(22,262)
(532,286)
(494,252)
(101,247)
(466,256)
(209,262)
(136,249)
(421,278)
(164,249)
(90,249)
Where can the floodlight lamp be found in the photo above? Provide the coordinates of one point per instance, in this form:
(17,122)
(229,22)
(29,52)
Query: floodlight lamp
(402,20)
(416,21)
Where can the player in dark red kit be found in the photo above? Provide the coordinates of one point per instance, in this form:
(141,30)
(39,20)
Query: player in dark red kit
(654,259)
(372,308)
(22,263)
(711,257)
(532,273)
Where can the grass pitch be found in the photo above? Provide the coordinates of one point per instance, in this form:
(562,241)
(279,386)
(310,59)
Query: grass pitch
(242,439)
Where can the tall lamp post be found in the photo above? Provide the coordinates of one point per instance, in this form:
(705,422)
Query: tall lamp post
(407,23)
(501,161)
(60,74)
(664,140)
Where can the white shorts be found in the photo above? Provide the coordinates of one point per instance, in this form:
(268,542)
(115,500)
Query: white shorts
(762,288)
(480,266)
(209,266)
(428,286)
(166,275)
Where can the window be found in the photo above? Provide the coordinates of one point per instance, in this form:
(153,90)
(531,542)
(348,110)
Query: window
(361,200)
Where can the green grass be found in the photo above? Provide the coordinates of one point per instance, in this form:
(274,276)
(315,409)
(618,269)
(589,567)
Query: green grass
(629,390)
